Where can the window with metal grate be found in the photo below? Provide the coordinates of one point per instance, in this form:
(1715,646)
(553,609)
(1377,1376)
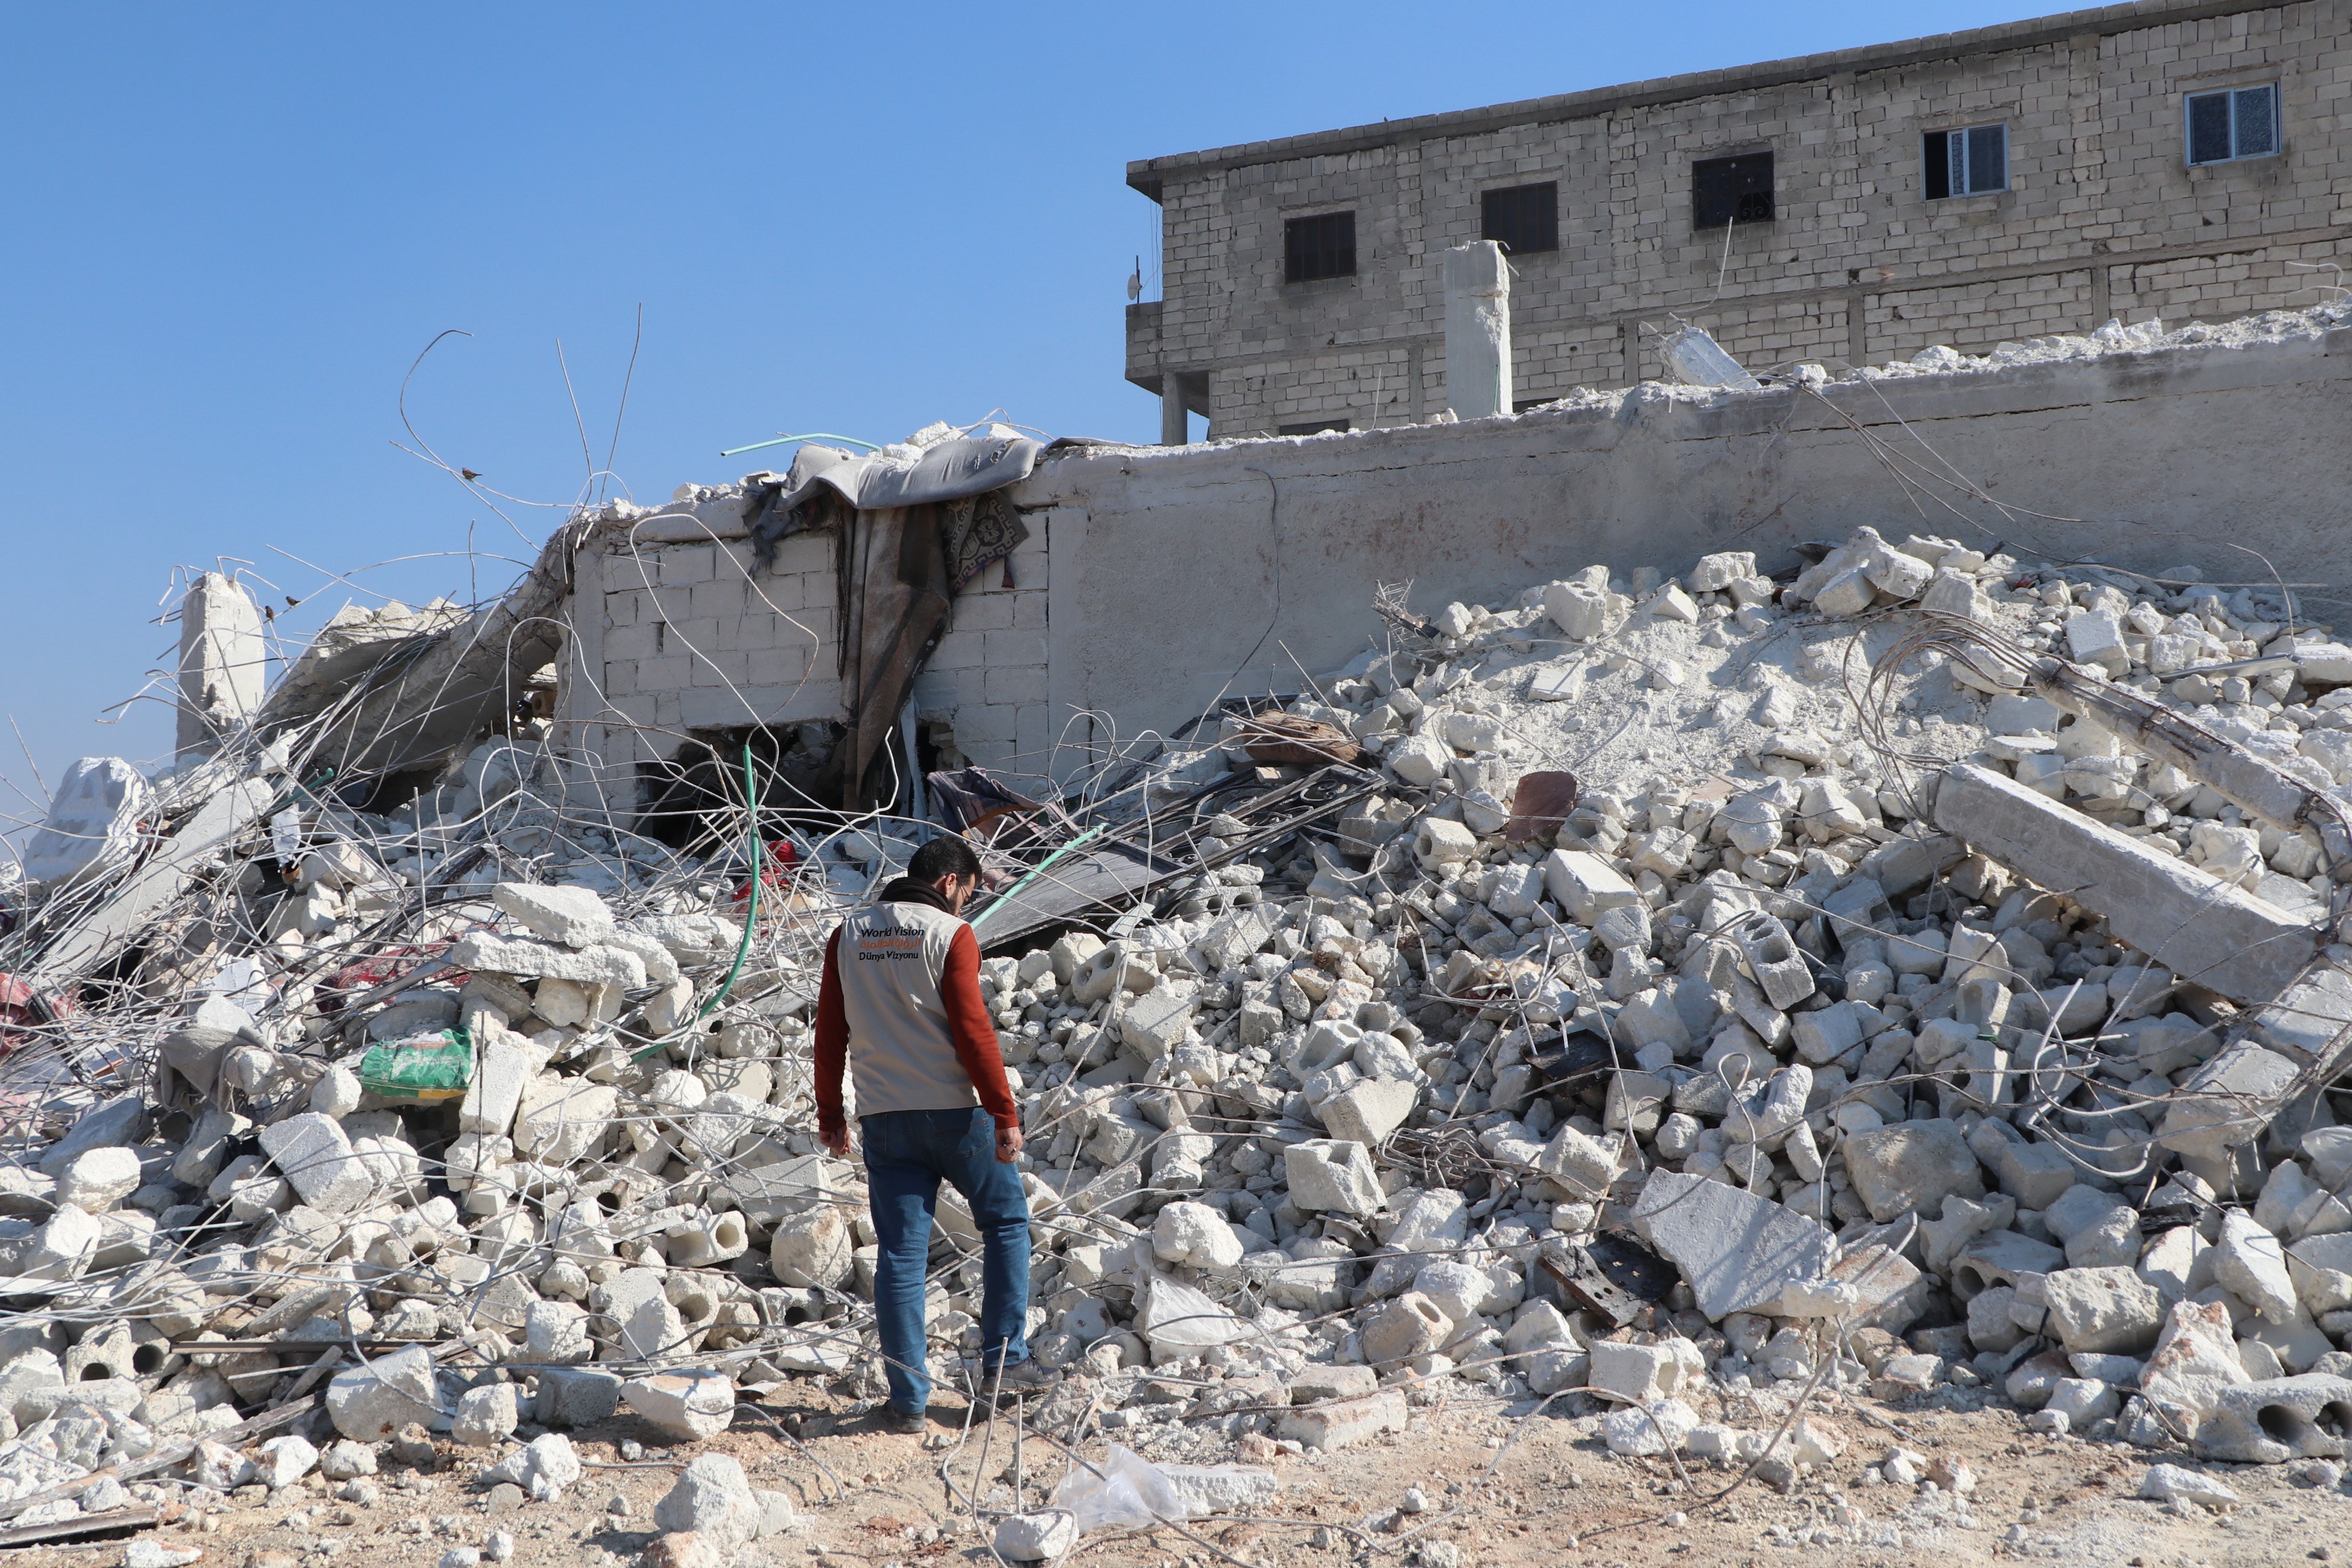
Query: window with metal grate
(1522,218)
(2223,127)
(1731,190)
(1319,246)
(1967,162)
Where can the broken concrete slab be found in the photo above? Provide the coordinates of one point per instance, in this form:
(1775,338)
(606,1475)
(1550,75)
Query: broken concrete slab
(2278,1419)
(2200,929)
(1325,1427)
(1736,1250)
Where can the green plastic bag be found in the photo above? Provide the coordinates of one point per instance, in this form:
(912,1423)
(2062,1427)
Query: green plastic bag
(422,1066)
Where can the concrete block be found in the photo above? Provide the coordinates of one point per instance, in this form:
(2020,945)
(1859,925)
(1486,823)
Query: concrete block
(96,1181)
(813,1250)
(1643,1431)
(712,1498)
(576,917)
(1366,1112)
(486,1415)
(2097,637)
(1773,958)
(1737,1250)
(687,1404)
(560,1119)
(2271,1422)
(1579,611)
(2001,1258)
(2226,1103)
(548,1463)
(1333,1176)
(1195,1235)
(200,1158)
(1578,1160)
(372,1402)
(1157,1022)
(2033,1173)
(1640,1374)
(2102,1309)
(1585,885)
(1335,1426)
(502,1065)
(1035,1537)
(2170,1483)
(317,1161)
(1397,1330)
(2177,915)
(547,960)
(2251,1264)
(2194,1359)
(1713,574)
(575,1397)
(1912,1165)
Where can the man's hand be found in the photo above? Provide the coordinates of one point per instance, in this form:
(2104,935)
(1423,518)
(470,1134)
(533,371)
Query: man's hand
(836,1144)
(1008,1145)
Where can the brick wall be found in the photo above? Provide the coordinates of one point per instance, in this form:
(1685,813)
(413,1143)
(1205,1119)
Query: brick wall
(674,632)
(2102,216)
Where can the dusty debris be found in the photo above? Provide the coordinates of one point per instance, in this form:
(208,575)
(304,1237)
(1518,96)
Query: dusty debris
(1913,978)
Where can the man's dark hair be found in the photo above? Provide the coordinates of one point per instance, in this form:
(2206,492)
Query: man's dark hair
(944,857)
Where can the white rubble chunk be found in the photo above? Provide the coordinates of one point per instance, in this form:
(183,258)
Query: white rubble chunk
(96,1181)
(1334,1176)
(1643,1431)
(484,1416)
(573,916)
(543,1466)
(1642,1374)
(2163,1483)
(713,1497)
(1035,1537)
(285,1461)
(1196,1235)
(372,1402)
(528,959)
(318,1160)
(692,1405)
(1737,1250)
(2251,1264)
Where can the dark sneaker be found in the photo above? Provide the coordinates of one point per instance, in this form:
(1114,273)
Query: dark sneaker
(904,1423)
(1022,1377)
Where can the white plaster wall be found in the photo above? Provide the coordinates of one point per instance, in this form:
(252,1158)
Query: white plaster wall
(1182,573)
(1155,579)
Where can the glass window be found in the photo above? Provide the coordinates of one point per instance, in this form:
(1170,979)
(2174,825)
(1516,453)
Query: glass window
(1967,162)
(1321,246)
(1523,218)
(2240,122)
(1731,190)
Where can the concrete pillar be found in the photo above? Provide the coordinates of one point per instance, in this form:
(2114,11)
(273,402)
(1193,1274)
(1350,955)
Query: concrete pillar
(1172,427)
(1477,331)
(223,662)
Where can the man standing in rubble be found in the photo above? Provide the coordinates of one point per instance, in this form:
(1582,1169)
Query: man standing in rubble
(901,1000)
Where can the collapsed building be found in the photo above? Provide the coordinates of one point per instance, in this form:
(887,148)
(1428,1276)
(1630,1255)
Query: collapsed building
(1671,993)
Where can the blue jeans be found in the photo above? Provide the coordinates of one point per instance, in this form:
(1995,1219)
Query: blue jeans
(908,1154)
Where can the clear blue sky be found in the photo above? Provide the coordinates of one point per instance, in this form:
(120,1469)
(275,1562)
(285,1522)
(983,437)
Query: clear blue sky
(230,229)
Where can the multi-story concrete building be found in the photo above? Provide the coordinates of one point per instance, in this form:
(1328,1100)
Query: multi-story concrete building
(2174,158)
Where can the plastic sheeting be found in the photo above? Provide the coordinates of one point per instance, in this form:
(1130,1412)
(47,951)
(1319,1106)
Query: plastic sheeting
(899,475)
(93,821)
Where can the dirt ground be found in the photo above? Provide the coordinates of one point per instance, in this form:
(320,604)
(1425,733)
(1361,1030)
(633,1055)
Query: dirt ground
(1498,1492)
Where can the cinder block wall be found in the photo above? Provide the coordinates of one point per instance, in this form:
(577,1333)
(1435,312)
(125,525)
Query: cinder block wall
(1155,580)
(675,633)
(2100,209)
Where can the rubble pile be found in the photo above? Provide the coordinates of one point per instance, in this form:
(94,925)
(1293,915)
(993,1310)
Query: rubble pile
(1853,1022)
